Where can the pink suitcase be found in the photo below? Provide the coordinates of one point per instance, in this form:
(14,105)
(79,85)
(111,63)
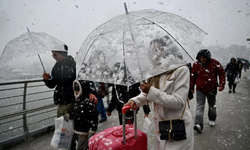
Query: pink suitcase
(123,137)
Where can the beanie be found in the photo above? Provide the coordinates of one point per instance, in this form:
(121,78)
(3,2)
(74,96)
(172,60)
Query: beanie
(61,49)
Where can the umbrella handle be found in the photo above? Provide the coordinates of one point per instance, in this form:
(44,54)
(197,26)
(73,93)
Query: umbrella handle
(41,62)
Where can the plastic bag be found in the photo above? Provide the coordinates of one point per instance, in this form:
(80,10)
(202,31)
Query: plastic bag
(237,80)
(146,126)
(63,134)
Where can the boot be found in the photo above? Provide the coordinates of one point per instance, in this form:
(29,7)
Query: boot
(234,87)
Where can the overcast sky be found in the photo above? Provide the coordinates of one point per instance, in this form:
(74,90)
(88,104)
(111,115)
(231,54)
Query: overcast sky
(226,21)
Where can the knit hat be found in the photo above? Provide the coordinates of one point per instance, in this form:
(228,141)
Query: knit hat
(62,49)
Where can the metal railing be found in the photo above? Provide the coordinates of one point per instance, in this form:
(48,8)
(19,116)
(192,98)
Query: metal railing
(26,109)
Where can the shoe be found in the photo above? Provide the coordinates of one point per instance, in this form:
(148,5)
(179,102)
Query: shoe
(230,91)
(234,91)
(102,120)
(212,123)
(197,128)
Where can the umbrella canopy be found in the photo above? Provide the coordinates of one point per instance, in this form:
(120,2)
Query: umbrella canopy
(29,44)
(132,47)
(243,59)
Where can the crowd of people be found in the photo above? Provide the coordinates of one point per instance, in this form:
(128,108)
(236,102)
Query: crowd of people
(167,93)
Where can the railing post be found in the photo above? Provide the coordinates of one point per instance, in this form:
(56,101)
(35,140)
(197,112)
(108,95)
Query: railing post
(25,125)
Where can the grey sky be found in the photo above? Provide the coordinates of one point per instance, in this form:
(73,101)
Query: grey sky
(226,21)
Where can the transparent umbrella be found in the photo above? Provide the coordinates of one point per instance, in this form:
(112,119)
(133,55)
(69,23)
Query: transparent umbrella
(120,50)
(29,44)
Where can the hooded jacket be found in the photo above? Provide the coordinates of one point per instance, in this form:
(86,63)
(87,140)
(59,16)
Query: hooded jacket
(84,110)
(204,76)
(62,76)
(232,69)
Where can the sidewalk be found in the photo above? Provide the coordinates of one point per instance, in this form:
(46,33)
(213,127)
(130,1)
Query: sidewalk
(231,132)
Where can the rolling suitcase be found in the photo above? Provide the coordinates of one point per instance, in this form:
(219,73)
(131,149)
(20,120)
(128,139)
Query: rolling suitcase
(123,137)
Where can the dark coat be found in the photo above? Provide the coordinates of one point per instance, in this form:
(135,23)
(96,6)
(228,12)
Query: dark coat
(62,76)
(205,76)
(85,113)
(124,95)
(232,69)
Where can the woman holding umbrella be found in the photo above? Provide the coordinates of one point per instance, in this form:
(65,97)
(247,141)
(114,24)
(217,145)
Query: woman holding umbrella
(168,92)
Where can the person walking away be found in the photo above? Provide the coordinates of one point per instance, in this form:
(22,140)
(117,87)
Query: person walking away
(120,96)
(232,69)
(102,90)
(204,75)
(85,113)
(61,78)
(240,63)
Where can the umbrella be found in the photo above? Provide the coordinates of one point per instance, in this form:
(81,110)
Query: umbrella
(243,59)
(119,50)
(29,44)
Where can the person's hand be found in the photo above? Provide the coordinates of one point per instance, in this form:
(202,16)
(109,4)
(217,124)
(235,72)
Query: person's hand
(192,91)
(221,88)
(131,103)
(109,114)
(66,117)
(93,98)
(46,76)
(145,87)
(146,115)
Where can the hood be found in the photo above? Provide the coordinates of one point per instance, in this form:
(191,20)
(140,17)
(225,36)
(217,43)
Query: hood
(204,52)
(231,60)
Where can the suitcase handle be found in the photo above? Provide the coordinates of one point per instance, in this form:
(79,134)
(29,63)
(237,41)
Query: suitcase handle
(124,110)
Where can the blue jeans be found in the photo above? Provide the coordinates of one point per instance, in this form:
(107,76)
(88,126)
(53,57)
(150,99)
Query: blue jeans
(101,108)
(201,100)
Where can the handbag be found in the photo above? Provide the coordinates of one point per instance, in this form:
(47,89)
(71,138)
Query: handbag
(63,133)
(173,129)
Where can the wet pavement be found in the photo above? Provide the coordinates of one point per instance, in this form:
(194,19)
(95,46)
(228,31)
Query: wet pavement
(231,132)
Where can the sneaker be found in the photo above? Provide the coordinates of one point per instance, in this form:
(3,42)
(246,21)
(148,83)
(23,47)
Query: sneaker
(102,120)
(197,128)
(212,123)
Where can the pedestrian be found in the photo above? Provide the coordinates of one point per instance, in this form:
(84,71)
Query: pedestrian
(168,92)
(240,63)
(232,69)
(61,78)
(102,90)
(204,75)
(85,113)
(120,96)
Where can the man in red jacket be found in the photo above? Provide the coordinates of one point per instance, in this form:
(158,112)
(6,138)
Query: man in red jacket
(204,75)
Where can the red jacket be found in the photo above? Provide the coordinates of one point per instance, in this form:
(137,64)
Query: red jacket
(205,76)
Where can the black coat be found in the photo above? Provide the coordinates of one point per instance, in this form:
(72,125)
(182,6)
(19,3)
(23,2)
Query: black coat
(85,113)
(232,70)
(62,76)
(124,95)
